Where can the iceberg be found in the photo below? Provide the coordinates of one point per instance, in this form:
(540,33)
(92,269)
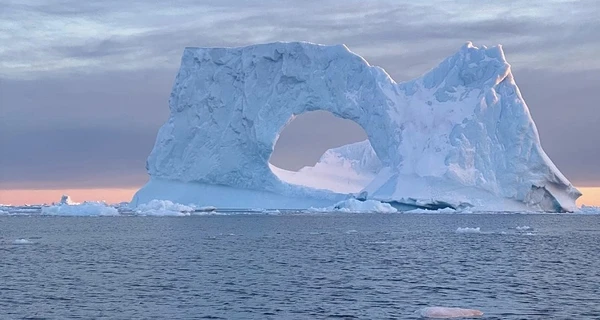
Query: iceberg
(66,207)
(588,210)
(460,136)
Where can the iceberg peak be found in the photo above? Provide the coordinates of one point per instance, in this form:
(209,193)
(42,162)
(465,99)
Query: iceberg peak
(459,134)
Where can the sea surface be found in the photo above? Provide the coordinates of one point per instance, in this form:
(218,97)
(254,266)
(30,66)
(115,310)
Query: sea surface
(299,266)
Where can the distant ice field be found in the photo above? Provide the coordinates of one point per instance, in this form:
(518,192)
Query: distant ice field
(309,265)
(168,208)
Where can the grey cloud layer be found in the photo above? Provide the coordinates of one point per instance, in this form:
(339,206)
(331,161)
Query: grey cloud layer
(75,35)
(84,85)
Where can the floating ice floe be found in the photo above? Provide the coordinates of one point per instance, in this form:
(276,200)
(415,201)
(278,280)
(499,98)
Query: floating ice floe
(448,313)
(524,228)
(468,230)
(354,205)
(444,210)
(163,208)
(66,207)
(358,206)
(20,210)
(588,210)
(22,241)
(271,211)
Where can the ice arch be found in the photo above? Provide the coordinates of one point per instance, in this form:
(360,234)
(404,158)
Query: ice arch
(229,106)
(460,133)
(324,152)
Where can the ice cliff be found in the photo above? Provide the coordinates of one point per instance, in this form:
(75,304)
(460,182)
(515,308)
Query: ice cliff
(459,136)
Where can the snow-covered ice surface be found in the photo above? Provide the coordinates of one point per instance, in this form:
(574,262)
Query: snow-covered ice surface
(459,136)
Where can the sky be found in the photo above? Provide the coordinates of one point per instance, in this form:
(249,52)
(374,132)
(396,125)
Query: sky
(84,85)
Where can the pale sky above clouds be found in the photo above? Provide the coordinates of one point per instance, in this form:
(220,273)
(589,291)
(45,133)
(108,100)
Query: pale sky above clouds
(84,85)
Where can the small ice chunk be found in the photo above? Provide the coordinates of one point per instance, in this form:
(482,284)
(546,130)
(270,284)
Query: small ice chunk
(357,206)
(588,210)
(272,211)
(163,208)
(22,241)
(66,199)
(354,205)
(524,228)
(447,313)
(468,230)
(444,210)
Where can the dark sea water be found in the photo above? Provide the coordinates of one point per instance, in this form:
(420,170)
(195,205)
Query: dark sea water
(328,266)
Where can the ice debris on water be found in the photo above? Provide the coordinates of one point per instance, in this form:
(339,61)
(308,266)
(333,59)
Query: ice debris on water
(468,230)
(22,241)
(588,210)
(524,228)
(66,207)
(448,313)
(354,205)
(444,210)
(357,206)
(163,208)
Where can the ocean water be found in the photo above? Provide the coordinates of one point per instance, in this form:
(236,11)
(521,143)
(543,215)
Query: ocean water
(306,266)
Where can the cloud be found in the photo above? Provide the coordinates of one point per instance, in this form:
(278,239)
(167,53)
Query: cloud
(74,157)
(567,119)
(71,36)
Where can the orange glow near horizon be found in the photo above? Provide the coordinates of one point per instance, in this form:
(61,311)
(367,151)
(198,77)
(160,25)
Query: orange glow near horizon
(23,196)
(591,196)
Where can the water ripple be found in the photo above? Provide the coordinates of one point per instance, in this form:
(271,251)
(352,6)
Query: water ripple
(299,267)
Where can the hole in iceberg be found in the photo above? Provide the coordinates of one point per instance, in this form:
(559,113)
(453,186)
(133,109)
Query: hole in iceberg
(319,150)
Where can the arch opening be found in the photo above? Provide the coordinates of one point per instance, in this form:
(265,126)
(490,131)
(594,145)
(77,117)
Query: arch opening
(320,150)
